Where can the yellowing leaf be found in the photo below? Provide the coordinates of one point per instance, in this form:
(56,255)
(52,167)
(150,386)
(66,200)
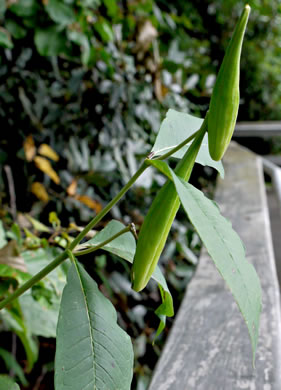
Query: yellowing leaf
(92,204)
(39,191)
(45,166)
(71,189)
(29,148)
(47,151)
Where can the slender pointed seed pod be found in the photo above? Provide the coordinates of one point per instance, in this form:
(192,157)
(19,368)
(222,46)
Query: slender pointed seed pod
(224,102)
(159,219)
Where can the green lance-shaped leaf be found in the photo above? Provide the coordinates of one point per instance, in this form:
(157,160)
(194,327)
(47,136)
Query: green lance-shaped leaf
(93,352)
(227,251)
(159,219)
(224,102)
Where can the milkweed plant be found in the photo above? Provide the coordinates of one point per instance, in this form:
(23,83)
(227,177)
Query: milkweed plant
(92,351)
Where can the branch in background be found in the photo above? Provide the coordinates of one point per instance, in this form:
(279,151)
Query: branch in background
(14,353)
(12,193)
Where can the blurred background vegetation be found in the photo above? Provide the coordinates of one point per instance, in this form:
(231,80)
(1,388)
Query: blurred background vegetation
(84,85)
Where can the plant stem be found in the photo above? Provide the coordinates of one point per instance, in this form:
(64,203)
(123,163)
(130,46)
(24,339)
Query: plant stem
(95,248)
(108,207)
(175,148)
(57,261)
(70,255)
(203,128)
(63,256)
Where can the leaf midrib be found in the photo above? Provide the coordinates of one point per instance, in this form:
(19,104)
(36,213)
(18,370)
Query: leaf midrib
(89,321)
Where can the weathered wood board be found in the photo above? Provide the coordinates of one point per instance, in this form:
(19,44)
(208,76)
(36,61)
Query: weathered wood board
(258,129)
(209,347)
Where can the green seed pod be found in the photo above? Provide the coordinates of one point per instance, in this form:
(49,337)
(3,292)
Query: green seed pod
(158,221)
(224,102)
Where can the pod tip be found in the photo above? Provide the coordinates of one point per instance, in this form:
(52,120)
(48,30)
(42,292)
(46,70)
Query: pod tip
(247,8)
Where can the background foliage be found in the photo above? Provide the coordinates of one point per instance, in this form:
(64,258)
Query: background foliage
(83,88)
(93,79)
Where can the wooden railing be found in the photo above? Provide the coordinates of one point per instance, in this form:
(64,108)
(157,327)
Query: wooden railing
(208,347)
(258,129)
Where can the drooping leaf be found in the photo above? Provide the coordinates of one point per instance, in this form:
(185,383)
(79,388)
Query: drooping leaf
(92,350)
(176,127)
(166,309)
(124,246)
(227,251)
